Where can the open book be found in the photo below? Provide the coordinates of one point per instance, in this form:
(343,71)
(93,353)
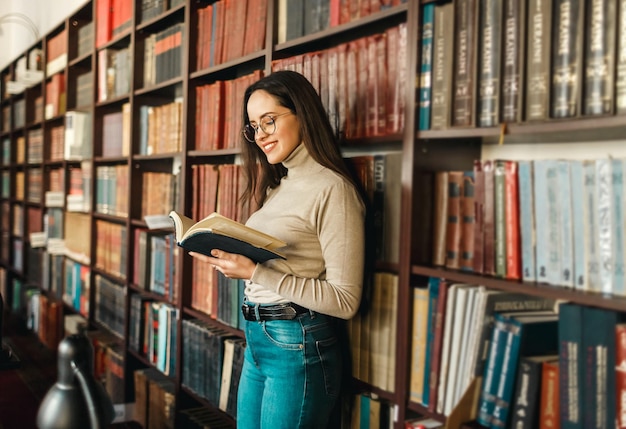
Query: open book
(218,232)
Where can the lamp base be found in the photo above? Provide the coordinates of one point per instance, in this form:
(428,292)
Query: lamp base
(8,359)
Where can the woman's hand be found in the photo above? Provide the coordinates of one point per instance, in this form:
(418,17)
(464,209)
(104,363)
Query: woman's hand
(232,265)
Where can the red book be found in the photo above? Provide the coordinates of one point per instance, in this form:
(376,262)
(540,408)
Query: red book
(513,254)
(620,375)
(549,401)
(453,224)
(103,22)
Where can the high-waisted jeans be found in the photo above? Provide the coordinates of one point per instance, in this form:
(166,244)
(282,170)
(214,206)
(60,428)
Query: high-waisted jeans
(291,376)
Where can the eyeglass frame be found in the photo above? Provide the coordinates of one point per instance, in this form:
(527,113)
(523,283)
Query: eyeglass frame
(260,126)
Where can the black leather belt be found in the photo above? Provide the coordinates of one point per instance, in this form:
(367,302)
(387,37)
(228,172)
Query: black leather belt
(273,312)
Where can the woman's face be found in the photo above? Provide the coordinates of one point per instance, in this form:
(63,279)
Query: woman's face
(286,137)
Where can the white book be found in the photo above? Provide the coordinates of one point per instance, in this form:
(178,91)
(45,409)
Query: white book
(458,323)
(445,351)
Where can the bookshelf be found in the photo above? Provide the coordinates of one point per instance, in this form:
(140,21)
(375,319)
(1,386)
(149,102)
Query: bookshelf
(136,114)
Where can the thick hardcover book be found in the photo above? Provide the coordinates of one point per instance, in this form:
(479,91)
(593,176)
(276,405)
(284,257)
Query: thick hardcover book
(567,55)
(528,334)
(599,399)
(527,219)
(571,357)
(513,47)
(489,218)
(549,400)
(465,39)
(440,196)
(468,220)
(453,229)
(620,375)
(599,57)
(525,412)
(426,66)
(489,63)
(620,67)
(479,230)
(443,55)
(538,57)
(218,232)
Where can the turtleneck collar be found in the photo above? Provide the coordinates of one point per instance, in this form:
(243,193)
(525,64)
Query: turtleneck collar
(300,163)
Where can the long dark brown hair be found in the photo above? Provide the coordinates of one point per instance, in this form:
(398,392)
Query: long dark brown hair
(293,91)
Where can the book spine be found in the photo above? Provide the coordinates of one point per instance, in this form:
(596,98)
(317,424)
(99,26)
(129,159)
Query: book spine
(443,53)
(566,57)
(512,222)
(490,42)
(468,220)
(426,66)
(527,220)
(604,221)
(554,227)
(538,60)
(541,212)
(526,397)
(578,225)
(565,211)
(500,218)
(620,73)
(617,173)
(492,369)
(479,202)
(513,46)
(620,375)
(570,357)
(466,31)
(599,57)
(489,218)
(549,402)
(453,228)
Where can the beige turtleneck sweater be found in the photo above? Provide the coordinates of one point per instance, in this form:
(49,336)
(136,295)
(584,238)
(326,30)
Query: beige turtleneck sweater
(321,218)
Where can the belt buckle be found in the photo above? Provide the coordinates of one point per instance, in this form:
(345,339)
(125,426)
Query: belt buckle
(247,312)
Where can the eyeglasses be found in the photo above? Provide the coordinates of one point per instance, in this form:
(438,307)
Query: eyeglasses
(267,124)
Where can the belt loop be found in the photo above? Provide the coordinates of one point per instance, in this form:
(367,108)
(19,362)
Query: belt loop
(256,312)
(312,314)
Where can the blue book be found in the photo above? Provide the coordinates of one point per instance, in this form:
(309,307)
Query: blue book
(426,68)
(578,225)
(527,334)
(598,344)
(618,226)
(591,225)
(565,221)
(571,357)
(487,400)
(604,222)
(527,220)
(433,299)
(542,230)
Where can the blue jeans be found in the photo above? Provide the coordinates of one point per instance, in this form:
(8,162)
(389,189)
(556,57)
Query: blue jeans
(291,376)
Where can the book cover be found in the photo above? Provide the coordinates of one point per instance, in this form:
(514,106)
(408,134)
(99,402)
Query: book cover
(525,411)
(468,220)
(549,400)
(218,232)
(579,224)
(538,59)
(441,200)
(527,220)
(479,219)
(571,357)
(489,63)
(567,53)
(599,60)
(512,69)
(465,42)
(527,334)
(425,88)
(443,57)
(620,375)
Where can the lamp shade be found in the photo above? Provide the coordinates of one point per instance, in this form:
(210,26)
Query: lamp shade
(76,401)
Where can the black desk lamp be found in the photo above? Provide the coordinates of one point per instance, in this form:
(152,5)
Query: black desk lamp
(76,401)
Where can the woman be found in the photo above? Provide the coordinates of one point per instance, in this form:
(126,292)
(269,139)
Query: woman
(292,370)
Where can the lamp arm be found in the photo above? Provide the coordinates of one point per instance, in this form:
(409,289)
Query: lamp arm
(90,393)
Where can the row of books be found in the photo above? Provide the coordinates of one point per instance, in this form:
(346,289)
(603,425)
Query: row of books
(218,112)
(218,42)
(152,332)
(114,76)
(155,255)
(163,55)
(297,19)
(113,19)
(372,333)
(111,239)
(212,362)
(563,59)
(160,128)
(361,83)
(524,220)
(112,183)
(110,302)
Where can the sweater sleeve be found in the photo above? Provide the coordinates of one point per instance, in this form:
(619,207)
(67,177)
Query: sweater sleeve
(339,219)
